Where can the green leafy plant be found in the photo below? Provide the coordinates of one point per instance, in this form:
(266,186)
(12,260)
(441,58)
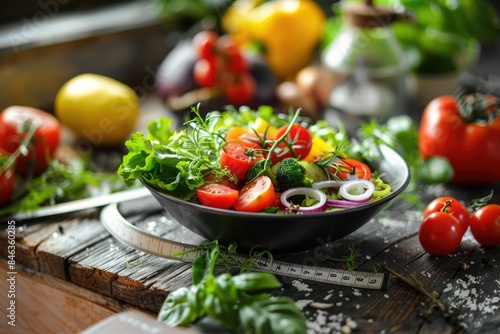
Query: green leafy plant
(237,302)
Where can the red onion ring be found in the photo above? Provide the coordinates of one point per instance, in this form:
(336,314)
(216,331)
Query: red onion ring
(340,203)
(311,192)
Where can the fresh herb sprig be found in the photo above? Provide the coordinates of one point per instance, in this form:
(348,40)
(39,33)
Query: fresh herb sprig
(349,260)
(432,303)
(236,302)
(59,183)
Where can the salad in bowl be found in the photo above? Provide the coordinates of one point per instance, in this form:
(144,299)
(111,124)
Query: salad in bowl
(248,176)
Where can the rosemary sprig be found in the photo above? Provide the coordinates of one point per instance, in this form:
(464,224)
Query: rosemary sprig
(432,302)
(350,259)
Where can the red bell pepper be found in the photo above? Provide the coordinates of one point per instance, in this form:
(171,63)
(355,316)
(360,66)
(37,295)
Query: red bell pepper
(466,131)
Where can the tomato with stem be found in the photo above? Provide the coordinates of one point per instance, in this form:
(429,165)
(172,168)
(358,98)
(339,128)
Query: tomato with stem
(217,195)
(485,225)
(440,233)
(233,58)
(297,143)
(452,206)
(40,129)
(204,43)
(237,159)
(256,195)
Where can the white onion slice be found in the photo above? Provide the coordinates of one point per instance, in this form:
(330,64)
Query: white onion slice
(327,184)
(314,193)
(350,185)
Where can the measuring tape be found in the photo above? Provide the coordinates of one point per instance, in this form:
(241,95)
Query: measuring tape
(131,235)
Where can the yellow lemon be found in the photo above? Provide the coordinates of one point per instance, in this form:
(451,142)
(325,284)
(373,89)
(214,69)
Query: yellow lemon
(97,109)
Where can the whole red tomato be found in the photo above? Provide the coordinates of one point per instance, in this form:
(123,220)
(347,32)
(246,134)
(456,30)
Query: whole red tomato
(238,88)
(451,206)
(467,133)
(15,122)
(485,225)
(440,234)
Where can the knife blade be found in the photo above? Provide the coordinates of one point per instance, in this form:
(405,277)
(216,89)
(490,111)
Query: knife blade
(82,204)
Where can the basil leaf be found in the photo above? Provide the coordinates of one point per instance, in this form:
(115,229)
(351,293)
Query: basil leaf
(256,281)
(272,315)
(204,265)
(182,306)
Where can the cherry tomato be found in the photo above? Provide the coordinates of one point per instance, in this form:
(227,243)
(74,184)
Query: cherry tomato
(217,195)
(238,89)
(43,145)
(440,234)
(360,168)
(204,43)
(299,139)
(234,158)
(205,73)
(485,225)
(234,60)
(256,195)
(451,206)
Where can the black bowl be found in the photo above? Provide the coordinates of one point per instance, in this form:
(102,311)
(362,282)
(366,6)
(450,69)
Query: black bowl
(284,233)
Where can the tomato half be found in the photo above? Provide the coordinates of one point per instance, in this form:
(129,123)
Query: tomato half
(451,206)
(299,139)
(217,195)
(45,141)
(256,195)
(440,234)
(234,158)
(485,225)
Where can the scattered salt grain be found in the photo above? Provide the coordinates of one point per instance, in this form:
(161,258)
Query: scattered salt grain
(303,303)
(300,286)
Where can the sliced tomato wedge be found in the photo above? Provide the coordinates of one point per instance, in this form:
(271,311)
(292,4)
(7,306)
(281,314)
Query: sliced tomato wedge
(217,195)
(234,158)
(342,168)
(256,195)
(360,168)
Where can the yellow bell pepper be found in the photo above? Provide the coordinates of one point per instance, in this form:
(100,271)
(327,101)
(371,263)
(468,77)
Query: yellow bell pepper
(288,31)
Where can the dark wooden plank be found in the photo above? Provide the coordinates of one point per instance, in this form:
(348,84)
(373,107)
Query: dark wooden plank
(54,252)
(114,269)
